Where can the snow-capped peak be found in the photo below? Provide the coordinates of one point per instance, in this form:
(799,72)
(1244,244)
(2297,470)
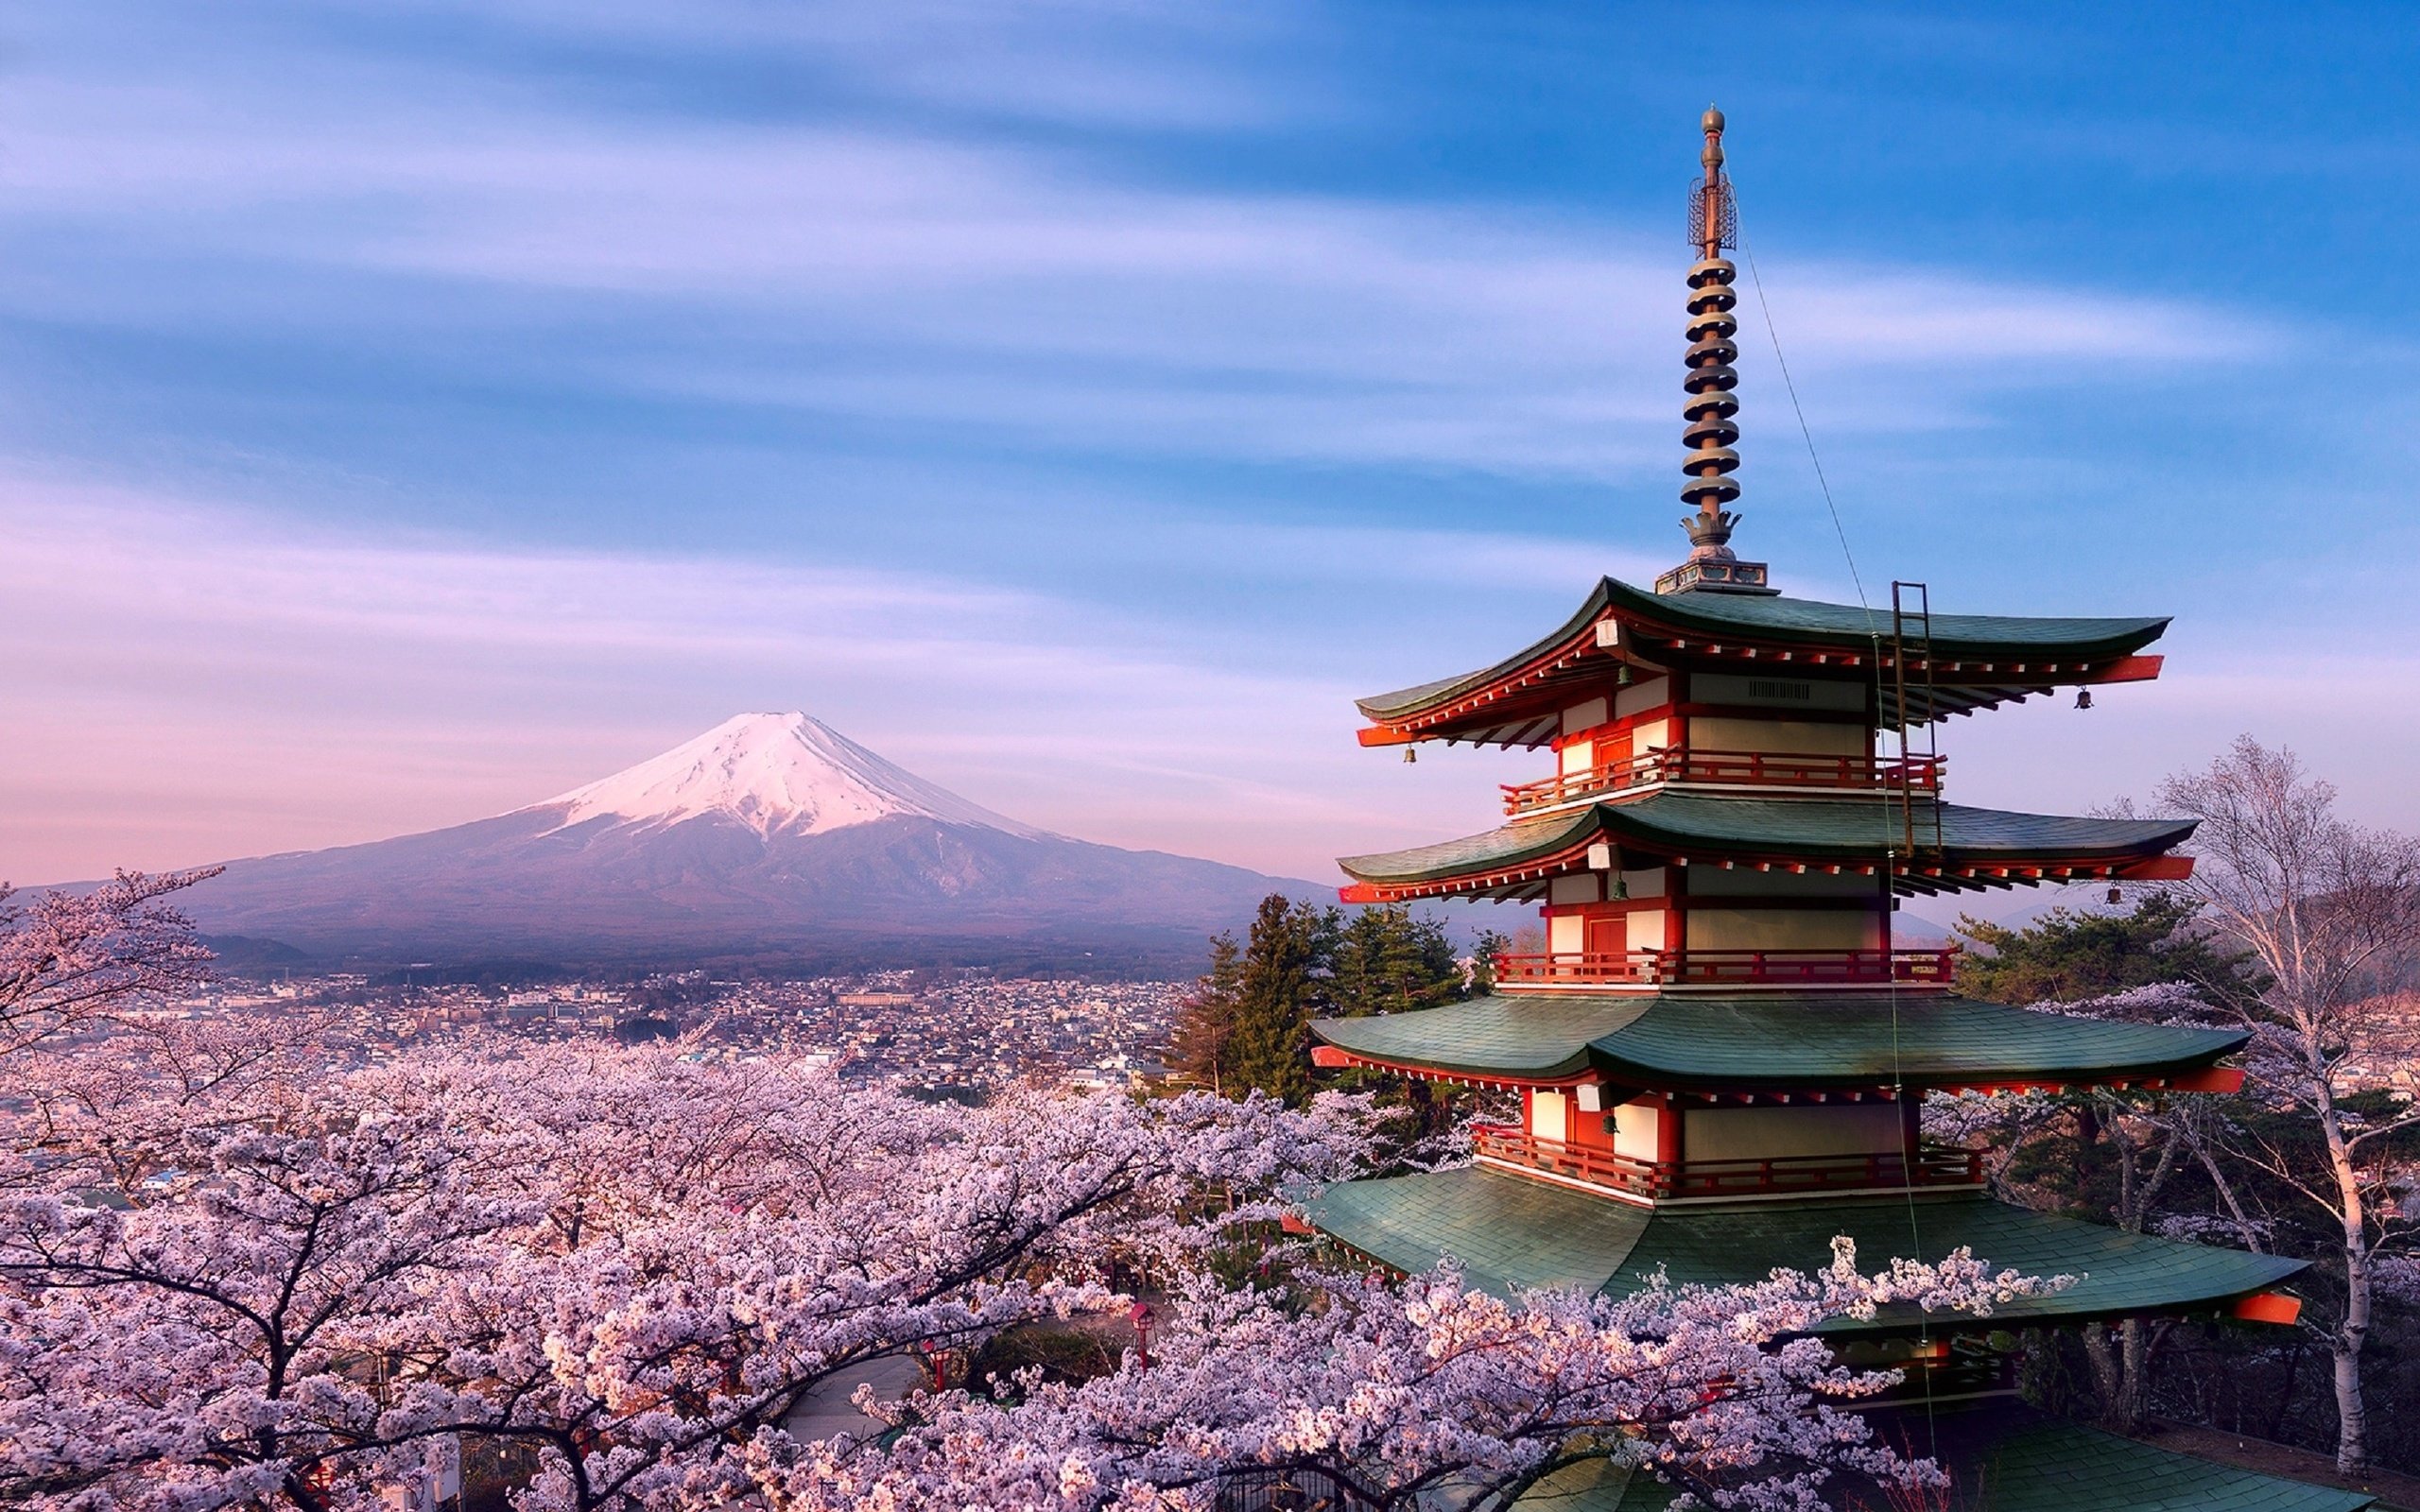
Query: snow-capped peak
(778,774)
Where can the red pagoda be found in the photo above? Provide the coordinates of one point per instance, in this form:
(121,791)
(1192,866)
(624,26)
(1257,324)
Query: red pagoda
(1720,1050)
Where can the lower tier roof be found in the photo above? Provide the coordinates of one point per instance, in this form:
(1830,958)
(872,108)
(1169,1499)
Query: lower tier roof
(1861,831)
(1513,1232)
(2012,1458)
(1780,1041)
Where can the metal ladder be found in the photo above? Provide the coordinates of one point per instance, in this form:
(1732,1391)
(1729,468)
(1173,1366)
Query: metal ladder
(1911,638)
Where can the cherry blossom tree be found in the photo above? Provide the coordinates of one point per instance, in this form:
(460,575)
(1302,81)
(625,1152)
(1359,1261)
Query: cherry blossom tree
(2331,914)
(2117,1150)
(1383,1394)
(112,1109)
(628,1263)
(635,1266)
(68,958)
(212,1343)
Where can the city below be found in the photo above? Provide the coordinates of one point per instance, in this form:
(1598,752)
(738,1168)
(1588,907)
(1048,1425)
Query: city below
(959,1033)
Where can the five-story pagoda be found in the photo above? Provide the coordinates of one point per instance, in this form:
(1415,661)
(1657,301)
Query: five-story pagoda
(1720,1050)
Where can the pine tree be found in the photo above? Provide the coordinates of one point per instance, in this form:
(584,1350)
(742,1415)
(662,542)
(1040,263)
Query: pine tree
(2066,956)
(1281,984)
(1200,1043)
(1389,960)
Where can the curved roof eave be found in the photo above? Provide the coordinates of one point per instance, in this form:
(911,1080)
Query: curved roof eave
(1774,1042)
(1860,830)
(1512,1233)
(1788,621)
(1539,1038)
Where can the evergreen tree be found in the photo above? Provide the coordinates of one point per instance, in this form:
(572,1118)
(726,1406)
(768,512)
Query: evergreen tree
(1281,983)
(2064,956)
(1200,1042)
(1387,960)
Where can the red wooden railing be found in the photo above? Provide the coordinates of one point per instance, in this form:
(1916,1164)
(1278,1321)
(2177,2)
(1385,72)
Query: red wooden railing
(1751,769)
(1709,967)
(1935,1165)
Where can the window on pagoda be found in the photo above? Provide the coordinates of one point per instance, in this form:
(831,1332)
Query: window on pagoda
(1784,929)
(1775,1133)
(1796,737)
(1549,1115)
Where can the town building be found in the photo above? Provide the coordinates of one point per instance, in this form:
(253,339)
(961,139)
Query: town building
(1720,1052)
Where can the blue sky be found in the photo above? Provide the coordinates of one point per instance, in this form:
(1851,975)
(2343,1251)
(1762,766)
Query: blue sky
(410,411)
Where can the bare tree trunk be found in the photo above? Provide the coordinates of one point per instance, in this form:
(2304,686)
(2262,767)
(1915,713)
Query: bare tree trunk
(2133,1355)
(2123,1374)
(2352,1412)
(2108,1370)
(2246,1233)
(2330,911)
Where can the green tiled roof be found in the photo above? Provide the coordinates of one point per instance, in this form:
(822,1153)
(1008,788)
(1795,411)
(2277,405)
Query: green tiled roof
(1521,841)
(1772,1040)
(1511,1231)
(1859,829)
(1955,637)
(2123,1273)
(1859,825)
(2014,1459)
(1544,1036)
(1943,1039)
(1510,1234)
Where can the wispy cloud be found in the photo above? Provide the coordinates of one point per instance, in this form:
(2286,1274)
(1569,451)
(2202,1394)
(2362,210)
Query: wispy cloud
(194,681)
(1023,289)
(1072,446)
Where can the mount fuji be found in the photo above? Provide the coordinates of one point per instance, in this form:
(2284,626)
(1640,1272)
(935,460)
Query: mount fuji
(772,836)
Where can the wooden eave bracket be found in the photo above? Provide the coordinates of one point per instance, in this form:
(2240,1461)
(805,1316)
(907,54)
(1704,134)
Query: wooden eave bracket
(1609,634)
(2208,1080)
(2267,1307)
(2157,868)
(2130,669)
(1334,1057)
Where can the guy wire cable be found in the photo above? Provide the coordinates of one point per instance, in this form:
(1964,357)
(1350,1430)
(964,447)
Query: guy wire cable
(1890,971)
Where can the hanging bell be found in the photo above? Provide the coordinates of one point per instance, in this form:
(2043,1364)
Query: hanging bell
(2084,699)
(1411,755)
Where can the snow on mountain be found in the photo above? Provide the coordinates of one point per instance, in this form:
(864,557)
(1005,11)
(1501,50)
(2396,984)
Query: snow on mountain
(779,774)
(769,837)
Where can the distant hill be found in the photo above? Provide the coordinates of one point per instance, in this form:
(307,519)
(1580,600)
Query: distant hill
(771,839)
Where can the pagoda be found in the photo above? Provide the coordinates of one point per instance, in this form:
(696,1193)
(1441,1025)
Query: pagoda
(1719,1049)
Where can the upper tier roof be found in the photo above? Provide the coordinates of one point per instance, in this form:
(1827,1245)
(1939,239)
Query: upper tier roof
(1975,660)
(1754,1041)
(1513,1232)
(1978,845)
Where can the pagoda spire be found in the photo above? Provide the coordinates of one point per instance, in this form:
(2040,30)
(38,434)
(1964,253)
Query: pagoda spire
(1710,430)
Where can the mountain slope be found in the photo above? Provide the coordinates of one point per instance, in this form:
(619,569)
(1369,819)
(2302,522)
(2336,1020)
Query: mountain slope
(785,774)
(770,835)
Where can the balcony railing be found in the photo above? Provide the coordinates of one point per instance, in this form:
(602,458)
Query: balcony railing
(1715,967)
(1746,768)
(1934,1166)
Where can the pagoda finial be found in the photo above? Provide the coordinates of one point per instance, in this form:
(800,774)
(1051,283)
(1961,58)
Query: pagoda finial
(1714,224)
(1707,206)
